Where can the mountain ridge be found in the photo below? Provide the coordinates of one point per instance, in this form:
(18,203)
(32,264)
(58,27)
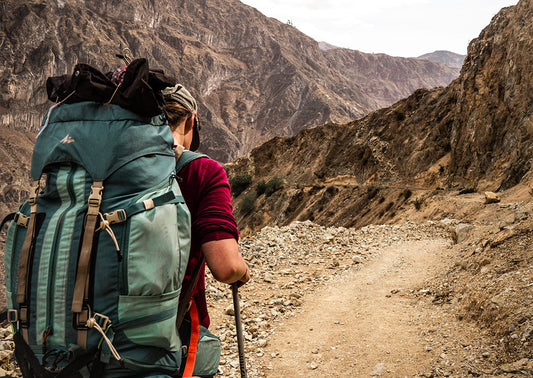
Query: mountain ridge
(445,57)
(253,80)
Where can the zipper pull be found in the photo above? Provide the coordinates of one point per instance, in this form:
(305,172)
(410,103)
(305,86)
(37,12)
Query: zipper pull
(47,332)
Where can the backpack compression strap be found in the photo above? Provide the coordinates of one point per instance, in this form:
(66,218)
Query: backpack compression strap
(26,254)
(193,343)
(81,287)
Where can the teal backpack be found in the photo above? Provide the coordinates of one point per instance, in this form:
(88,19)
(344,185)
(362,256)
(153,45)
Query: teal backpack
(96,257)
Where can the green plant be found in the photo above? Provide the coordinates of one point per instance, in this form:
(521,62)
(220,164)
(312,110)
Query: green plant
(273,185)
(407,193)
(239,184)
(248,202)
(260,188)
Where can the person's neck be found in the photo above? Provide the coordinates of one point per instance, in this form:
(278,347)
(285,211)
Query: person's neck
(179,135)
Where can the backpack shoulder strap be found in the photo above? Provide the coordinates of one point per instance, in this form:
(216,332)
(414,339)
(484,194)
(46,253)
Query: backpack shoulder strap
(186,157)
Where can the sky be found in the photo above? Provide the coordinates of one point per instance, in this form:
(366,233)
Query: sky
(407,28)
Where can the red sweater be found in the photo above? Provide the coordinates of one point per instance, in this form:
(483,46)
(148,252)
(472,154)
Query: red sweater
(206,190)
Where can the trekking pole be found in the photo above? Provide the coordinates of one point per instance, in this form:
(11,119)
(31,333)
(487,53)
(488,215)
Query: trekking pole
(238,326)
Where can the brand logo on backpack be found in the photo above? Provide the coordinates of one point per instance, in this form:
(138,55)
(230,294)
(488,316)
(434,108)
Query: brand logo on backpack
(67,139)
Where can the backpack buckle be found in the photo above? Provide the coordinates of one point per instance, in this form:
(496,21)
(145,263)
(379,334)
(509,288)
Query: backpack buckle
(12,316)
(21,219)
(102,320)
(80,318)
(23,316)
(95,198)
(116,216)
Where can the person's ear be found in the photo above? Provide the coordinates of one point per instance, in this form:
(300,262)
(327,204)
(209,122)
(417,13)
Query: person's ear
(189,123)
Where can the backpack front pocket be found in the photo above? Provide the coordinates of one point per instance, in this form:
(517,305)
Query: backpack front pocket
(150,320)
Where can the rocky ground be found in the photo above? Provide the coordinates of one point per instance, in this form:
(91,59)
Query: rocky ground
(468,314)
(290,265)
(293,265)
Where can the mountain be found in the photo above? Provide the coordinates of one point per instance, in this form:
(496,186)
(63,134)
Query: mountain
(474,135)
(386,79)
(447,58)
(254,76)
(326,46)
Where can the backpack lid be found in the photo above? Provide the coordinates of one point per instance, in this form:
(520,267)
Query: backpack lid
(101,138)
(139,91)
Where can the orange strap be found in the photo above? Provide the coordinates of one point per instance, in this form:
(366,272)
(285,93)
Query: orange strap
(193,343)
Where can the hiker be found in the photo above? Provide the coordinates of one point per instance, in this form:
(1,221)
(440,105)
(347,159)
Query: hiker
(206,190)
(96,259)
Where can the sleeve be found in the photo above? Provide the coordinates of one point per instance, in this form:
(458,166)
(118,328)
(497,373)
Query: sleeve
(212,212)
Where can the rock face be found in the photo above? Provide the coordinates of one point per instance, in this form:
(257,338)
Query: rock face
(255,77)
(476,133)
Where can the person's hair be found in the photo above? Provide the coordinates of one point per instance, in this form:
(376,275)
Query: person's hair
(176,113)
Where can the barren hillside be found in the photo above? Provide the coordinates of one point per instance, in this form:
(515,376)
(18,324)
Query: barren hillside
(254,80)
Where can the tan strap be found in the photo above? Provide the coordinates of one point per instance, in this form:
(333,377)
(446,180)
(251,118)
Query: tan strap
(26,252)
(81,320)
(81,286)
(149,204)
(26,335)
(23,318)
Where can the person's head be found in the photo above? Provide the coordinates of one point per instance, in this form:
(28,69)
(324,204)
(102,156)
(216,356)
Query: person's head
(181,109)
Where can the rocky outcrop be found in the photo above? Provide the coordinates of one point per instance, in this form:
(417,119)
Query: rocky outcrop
(255,77)
(492,130)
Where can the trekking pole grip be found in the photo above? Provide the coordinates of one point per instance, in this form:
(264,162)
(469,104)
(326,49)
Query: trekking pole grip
(238,326)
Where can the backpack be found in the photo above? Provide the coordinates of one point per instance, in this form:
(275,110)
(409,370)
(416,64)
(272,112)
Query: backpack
(95,259)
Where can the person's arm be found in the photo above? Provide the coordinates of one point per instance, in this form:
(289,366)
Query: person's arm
(225,261)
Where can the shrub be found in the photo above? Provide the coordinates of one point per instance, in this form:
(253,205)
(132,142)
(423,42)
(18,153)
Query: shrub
(467,191)
(372,191)
(407,193)
(260,188)
(239,184)
(418,203)
(248,203)
(273,185)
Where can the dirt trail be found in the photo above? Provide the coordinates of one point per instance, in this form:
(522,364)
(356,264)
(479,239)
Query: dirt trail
(370,322)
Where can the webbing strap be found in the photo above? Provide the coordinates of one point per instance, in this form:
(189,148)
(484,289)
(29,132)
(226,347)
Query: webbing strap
(121,215)
(186,157)
(81,286)
(183,306)
(26,255)
(26,252)
(193,343)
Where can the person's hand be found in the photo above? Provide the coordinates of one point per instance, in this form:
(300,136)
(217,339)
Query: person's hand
(245,278)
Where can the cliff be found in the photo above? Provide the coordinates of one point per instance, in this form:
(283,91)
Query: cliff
(476,134)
